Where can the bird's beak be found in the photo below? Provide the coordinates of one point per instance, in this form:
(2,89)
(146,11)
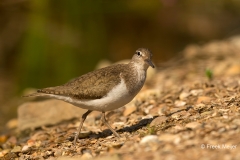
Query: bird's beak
(150,63)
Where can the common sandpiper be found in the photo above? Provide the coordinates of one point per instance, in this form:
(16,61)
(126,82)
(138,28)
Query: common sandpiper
(104,89)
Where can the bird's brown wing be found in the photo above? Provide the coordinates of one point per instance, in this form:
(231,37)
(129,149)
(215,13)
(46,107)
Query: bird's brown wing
(93,85)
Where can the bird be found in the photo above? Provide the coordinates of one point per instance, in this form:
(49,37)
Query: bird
(104,89)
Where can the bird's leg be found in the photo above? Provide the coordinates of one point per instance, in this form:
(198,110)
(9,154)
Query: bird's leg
(106,123)
(84,116)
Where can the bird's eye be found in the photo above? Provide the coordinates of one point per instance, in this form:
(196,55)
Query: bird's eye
(138,53)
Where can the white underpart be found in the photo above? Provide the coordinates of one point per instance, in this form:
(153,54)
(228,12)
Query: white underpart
(116,98)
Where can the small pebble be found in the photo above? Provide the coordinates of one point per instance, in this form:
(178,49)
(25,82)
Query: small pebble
(199,106)
(176,116)
(16,149)
(3,152)
(84,134)
(184,95)
(25,149)
(58,153)
(169,138)
(179,103)
(149,139)
(86,156)
(203,99)
(159,120)
(129,109)
(193,125)
(196,92)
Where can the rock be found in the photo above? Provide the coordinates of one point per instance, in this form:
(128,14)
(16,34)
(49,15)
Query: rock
(224,110)
(67,158)
(114,145)
(117,145)
(146,95)
(149,116)
(84,134)
(203,99)
(10,156)
(169,137)
(184,95)
(118,124)
(196,92)
(143,96)
(178,128)
(159,120)
(176,116)
(147,109)
(236,121)
(109,157)
(31,142)
(57,153)
(129,109)
(207,113)
(149,139)
(1,154)
(4,152)
(3,138)
(16,149)
(233,70)
(13,123)
(193,125)
(49,112)
(163,110)
(231,84)
(26,149)
(86,156)
(12,140)
(199,106)
(179,103)
(184,114)
(154,111)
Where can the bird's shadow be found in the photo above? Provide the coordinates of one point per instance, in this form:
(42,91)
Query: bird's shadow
(144,122)
(107,132)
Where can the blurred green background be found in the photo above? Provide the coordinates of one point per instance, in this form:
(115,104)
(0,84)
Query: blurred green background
(47,42)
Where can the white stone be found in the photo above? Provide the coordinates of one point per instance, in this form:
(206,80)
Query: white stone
(149,139)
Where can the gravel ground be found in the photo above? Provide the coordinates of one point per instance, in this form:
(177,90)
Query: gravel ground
(189,110)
